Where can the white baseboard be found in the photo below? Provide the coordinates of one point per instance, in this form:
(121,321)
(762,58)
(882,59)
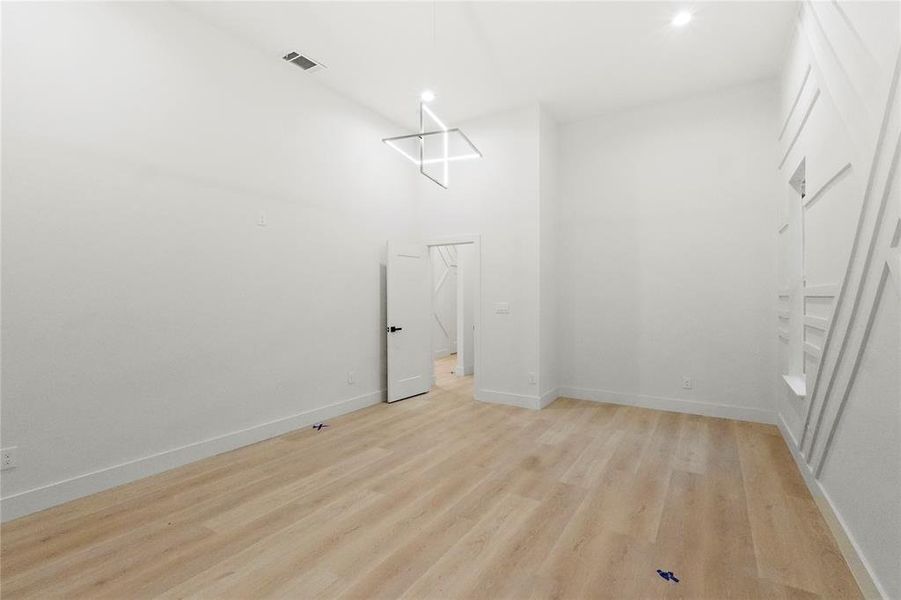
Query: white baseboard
(692,407)
(33,500)
(869,584)
(462,371)
(548,397)
(495,397)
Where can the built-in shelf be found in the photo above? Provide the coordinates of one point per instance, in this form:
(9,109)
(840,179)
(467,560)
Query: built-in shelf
(816,322)
(821,291)
(812,350)
(797,383)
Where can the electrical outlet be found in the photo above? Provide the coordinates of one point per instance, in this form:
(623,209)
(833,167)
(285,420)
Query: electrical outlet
(9,458)
(261,222)
(351,378)
(502,308)
(686,383)
(532,379)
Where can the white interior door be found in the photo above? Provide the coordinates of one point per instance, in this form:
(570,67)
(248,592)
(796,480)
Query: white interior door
(409,320)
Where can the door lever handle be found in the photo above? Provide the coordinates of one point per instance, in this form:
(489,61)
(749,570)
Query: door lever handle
(392,329)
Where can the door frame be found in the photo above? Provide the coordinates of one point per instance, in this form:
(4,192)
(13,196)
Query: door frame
(476,241)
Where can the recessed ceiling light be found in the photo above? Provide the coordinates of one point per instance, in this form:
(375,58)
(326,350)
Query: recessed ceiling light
(682,18)
(427,96)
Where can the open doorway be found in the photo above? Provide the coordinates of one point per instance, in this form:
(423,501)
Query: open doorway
(454,313)
(410,321)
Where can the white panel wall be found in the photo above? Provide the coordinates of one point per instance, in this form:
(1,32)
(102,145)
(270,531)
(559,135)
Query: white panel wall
(666,253)
(841,115)
(863,474)
(497,198)
(147,319)
(466,307)
(444,300)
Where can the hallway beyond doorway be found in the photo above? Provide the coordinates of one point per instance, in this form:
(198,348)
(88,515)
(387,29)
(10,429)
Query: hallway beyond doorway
(446,380)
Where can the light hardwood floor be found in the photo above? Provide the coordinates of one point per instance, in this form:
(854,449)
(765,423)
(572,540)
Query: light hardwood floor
(443,497)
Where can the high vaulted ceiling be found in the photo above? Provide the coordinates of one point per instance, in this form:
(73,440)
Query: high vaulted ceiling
(579,59)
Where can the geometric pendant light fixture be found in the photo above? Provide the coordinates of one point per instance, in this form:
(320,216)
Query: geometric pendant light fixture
(434,147)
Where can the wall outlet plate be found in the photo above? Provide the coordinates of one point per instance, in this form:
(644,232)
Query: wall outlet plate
(686,383)
(351,378)
(502,308)
(9,458)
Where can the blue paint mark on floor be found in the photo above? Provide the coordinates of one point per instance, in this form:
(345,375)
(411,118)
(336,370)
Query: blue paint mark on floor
(668,575)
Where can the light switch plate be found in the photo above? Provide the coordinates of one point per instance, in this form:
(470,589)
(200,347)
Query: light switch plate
(502,308)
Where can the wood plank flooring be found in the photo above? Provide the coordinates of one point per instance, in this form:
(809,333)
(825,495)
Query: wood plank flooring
(441,496)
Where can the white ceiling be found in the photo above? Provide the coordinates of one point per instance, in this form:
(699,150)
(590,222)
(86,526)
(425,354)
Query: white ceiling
(579,59)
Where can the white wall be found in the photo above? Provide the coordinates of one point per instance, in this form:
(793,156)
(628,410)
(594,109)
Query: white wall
(144,311)
(497,198)
(841,115)
(466,307)
(667,254)
(548,151)
(444,300)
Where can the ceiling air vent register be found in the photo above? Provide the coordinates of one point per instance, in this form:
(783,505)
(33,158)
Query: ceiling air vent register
(304,62)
